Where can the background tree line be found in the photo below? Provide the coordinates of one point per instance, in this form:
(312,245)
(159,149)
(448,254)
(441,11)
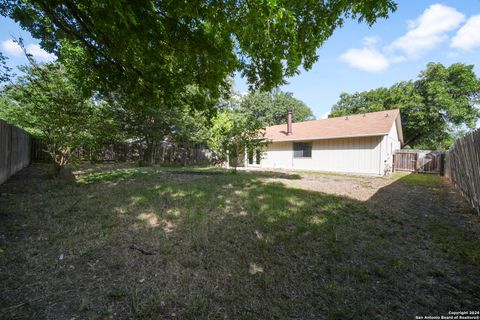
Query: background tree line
(154,70)
(50,101)
(157,64)
(441,104)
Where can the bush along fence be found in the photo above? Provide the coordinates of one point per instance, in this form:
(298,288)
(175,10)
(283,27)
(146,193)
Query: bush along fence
(462,167)
(15,150)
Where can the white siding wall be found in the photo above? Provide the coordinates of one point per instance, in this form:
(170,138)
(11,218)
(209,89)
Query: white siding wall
(349,155)
(391,143)
(393,138)
(278,155)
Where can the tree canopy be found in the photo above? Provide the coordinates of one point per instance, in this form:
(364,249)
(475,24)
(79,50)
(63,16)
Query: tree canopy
(4,69)
(170,44)
(436,106)
(270,108)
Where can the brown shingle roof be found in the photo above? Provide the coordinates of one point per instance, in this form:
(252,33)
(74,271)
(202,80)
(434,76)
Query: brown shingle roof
(368,124)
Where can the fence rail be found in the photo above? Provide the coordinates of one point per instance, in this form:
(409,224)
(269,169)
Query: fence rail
(462,167)
(14,150)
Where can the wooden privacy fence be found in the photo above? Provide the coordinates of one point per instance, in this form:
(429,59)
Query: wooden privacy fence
(421,161)
(18,148)
(38,151)
(462,167)
(14,150)
(166,153)
(405,161)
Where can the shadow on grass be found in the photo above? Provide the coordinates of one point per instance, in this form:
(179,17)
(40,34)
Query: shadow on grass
(224,245)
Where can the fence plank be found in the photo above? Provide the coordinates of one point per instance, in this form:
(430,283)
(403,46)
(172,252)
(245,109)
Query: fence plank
(15,150)
(421,161)
(462,167)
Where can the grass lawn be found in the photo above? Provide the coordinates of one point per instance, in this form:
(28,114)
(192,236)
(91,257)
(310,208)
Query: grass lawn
(125,242)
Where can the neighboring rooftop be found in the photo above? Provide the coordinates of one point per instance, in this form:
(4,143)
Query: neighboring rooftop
(360,125)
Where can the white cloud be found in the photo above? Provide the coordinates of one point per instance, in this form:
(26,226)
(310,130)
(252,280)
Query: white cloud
(367,59)
(429,30)
(468,36)
(370,41)
(39,53)
(11,48)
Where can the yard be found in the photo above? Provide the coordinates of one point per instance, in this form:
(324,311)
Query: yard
(124,242)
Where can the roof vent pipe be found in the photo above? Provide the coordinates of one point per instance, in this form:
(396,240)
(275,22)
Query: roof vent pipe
(289,122)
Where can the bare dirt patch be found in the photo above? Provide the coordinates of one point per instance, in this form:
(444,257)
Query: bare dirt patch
(356,187)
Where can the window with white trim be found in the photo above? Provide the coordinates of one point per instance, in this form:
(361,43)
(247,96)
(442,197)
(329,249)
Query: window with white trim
(302,150)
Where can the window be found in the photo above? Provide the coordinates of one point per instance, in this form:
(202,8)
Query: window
(302,150)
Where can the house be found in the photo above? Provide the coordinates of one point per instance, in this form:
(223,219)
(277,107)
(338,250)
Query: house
(360,144)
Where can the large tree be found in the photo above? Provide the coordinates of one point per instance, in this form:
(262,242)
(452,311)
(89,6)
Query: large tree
(271,107)
(151,117)
(170,44)
(434,108)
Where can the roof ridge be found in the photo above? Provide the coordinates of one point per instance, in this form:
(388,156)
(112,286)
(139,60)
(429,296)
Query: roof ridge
(349,115)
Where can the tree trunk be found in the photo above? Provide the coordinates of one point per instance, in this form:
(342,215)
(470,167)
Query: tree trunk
(186,154)
(148,157)
(59,164)
(59,170)
(149,154)
(235,160)
(162,155)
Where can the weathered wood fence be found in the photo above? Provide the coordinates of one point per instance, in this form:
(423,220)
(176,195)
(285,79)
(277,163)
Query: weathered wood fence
(421,161)
(462,167)
(18,148)
(166,153)
(15,150)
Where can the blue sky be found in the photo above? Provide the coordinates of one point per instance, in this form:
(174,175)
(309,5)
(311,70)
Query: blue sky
(387,53)
(356,57)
